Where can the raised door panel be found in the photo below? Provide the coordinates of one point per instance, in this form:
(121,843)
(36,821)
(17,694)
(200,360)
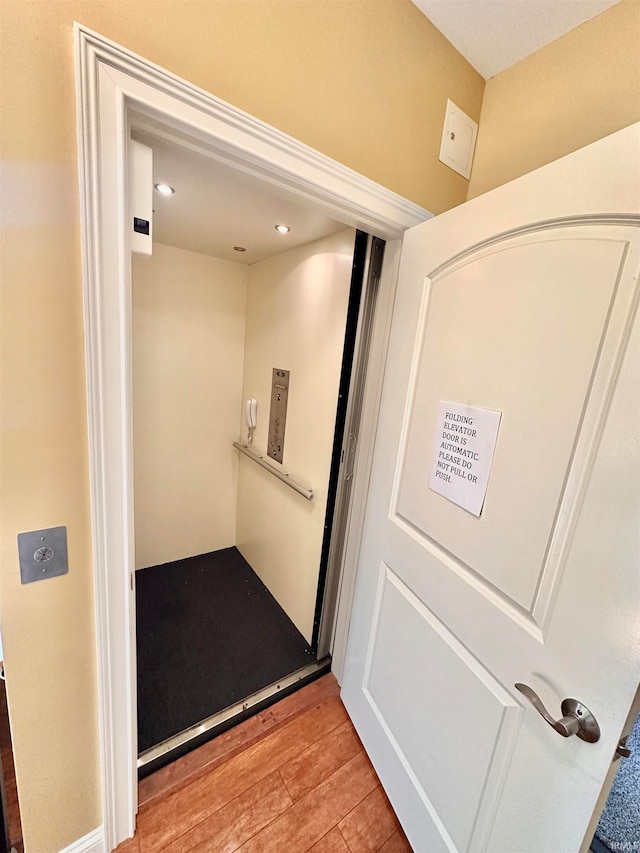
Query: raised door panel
(519,328)
(459,769)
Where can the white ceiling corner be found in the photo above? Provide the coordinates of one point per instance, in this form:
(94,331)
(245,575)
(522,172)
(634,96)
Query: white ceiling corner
(495,34)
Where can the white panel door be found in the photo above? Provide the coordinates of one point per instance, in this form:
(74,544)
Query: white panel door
(522,301)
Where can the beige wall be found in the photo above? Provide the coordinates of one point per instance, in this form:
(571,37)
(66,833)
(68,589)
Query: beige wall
(578,89)
(188,351)
(365,81)
(296,314)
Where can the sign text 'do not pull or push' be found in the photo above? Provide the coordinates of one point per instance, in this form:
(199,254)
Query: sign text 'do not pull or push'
(465,440)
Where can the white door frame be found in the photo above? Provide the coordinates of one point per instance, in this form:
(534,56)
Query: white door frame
(112,84)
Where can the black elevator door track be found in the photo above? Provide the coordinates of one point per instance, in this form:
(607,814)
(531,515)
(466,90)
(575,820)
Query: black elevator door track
(209,635)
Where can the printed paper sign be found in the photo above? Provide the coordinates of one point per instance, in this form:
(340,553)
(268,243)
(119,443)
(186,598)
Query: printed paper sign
(463,452)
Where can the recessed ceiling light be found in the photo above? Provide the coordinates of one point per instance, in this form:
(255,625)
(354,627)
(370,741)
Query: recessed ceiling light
(283,229)
(239,249)
(164,189)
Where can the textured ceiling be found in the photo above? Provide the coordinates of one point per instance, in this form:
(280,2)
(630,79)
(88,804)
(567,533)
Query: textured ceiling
(495,34)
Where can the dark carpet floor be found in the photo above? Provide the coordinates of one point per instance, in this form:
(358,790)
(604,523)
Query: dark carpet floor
(209,634)
(619,826)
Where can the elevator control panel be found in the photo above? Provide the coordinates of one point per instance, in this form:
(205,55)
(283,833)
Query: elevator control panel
(278,413)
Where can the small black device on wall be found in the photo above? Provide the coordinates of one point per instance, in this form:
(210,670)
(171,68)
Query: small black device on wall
(140,226)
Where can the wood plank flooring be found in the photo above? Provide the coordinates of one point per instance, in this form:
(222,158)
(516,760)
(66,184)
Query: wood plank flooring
(7,768)
(292,779)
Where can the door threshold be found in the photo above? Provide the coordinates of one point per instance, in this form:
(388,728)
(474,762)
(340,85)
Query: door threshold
(169,750)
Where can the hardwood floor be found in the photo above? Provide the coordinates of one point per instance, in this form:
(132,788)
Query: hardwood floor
(12,808)
(294,778)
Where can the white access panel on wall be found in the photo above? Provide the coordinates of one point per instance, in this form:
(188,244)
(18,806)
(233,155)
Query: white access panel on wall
(140,198)
(522,302)
(458,140)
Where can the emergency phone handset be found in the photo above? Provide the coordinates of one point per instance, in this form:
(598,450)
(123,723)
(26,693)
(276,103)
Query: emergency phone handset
(251,417)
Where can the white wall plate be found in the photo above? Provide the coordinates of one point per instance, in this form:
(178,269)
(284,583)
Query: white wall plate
(458,140)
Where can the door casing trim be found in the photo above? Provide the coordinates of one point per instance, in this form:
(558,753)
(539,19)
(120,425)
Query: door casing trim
(112,86)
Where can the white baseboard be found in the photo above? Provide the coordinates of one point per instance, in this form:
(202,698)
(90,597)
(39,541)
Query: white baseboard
(92,842)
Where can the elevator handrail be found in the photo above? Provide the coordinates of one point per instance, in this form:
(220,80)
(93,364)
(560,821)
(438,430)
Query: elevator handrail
(281,475)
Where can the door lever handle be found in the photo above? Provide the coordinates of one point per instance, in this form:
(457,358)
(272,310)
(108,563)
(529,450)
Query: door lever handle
(577,719)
